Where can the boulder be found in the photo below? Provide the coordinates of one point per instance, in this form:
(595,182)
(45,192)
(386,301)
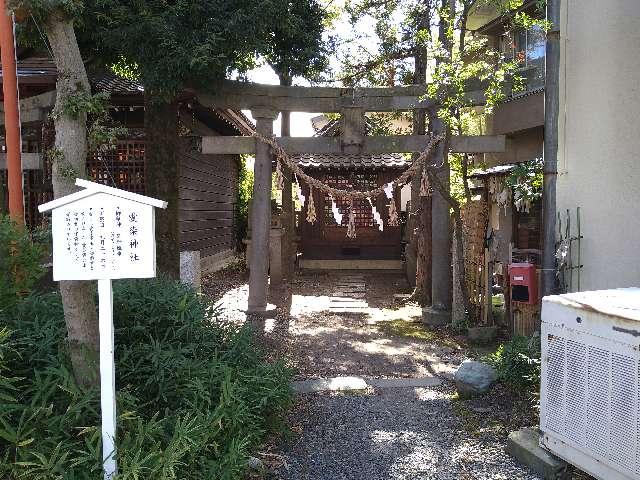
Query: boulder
(473,378)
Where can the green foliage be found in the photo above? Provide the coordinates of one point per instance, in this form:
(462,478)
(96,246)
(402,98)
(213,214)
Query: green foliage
(518,363)
(40,10)
(525,181)
(81,102)
(175,45)
(21,256)
(102,134)
(297,47)
(195,397)
(245,191)
(516,18)
(451,79)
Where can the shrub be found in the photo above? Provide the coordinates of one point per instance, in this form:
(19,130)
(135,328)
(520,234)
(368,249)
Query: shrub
(518,363)
(21,256)
(245,192)
(195,397)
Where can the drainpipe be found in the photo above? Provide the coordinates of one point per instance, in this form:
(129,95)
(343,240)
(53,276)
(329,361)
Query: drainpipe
(551,112)
(11,114)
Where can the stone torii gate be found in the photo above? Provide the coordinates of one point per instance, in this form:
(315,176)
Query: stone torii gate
(266,101)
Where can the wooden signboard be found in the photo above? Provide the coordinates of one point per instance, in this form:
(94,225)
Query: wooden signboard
(104,233)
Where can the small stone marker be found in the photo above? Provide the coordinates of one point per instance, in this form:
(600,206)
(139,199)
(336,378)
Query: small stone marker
(104,233)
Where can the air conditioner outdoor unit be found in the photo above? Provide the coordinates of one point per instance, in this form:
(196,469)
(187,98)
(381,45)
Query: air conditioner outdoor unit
(589,391)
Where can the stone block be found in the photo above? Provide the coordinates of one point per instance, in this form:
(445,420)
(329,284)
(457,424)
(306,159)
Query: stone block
(473,378)
(482,335)
(524,446)
(435,317)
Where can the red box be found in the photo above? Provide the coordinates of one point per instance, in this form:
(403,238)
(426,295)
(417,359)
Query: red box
(524,283)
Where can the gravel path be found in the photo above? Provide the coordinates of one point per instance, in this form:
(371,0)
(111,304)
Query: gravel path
(348,324)
(392,434)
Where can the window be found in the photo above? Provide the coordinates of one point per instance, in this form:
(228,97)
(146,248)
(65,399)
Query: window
(362,208)
(122,167)
(529,48)
(528,228)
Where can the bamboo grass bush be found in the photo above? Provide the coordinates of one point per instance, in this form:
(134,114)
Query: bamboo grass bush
(195,396)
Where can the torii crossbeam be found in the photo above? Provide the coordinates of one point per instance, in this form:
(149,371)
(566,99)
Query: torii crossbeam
(266,101)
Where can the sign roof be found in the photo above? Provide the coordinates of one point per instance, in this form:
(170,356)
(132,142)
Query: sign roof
(91,188)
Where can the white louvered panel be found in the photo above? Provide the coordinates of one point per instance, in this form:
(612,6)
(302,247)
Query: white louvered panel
(637,456)
(575,396)
(555,384)
(598,401)
(623,406)
(590,389)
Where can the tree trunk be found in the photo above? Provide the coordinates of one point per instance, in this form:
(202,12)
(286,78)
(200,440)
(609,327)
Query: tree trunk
(69,162)
(421,206)
(162,179)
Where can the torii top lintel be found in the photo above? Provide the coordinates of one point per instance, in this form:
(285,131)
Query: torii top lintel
(246,95)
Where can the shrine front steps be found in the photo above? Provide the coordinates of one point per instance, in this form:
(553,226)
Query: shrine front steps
(391,265)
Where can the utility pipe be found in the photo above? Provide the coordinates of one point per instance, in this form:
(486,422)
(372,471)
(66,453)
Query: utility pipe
(551,112)
(11,114)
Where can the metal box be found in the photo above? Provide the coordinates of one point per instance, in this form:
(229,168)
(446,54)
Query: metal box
(589,396)
(523,283)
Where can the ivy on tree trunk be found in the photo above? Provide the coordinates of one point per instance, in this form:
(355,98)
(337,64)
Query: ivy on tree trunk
(69,162)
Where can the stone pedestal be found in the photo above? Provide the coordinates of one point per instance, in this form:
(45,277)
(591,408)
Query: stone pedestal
(524,445)
(190,269)
(435,316)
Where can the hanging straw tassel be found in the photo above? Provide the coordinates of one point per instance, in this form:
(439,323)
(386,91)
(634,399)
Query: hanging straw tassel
(279,176)
(351,228)
(311,208)
(425,188)
(393,214)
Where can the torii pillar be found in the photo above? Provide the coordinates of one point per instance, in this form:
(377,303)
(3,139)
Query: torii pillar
(260,214)
(439,312)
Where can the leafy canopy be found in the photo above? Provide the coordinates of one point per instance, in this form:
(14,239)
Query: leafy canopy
(185,44)
(297,47)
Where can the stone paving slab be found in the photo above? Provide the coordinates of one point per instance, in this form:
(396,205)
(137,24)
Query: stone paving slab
(337,384)
(334,384)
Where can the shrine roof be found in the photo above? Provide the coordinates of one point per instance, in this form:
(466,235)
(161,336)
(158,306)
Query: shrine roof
(41,70)
(352,161)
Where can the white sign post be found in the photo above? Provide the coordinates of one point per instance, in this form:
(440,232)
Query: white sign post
(103,233)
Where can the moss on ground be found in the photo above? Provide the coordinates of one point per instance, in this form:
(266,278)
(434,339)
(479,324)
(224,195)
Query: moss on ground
(416,331)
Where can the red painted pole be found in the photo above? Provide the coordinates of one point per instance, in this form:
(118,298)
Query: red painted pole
(11,114)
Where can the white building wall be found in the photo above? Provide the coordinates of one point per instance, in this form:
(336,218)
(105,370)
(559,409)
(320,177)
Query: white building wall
(599,137)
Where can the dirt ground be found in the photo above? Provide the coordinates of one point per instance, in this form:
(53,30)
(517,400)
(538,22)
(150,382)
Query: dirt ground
(346,323)
(336,324)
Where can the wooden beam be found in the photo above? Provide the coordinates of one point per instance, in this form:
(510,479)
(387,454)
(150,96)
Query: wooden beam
(30,161)
(32,108)
(246,95)
(372,145)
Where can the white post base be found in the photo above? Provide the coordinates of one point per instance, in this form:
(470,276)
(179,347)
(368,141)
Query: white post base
(107,379)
